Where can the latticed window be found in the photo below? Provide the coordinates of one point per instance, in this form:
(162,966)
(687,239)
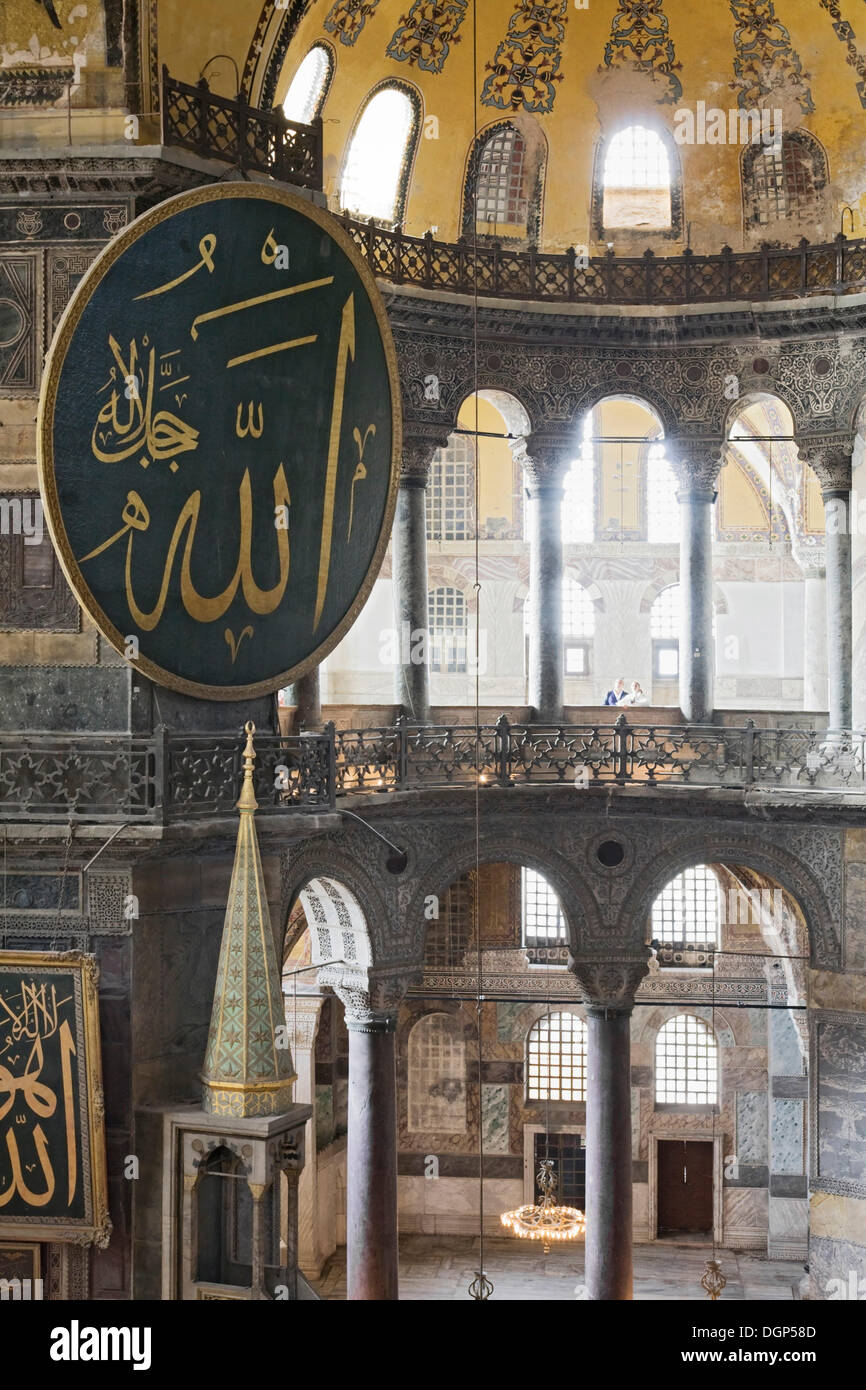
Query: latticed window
(378,155)
(578,610)
(664,630)
(663,509)
(451,490)
(499,195)
(437,1075)
(452,933)
(783,179)
(556,1058)
(447,620)
(578,500)
(687,1069)
(687,909)
(543,921)
(308,86)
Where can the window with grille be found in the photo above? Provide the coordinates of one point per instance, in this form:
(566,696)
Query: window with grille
(448,623)
(686,1063)
(452,933)
(663,509)
(664,630)
(378,156)
(437,1075)
(556,1058)
(309,86)
(687,909)
(578,610)
(543,922)
(578,499)
(782,180)
(637,180)
(451,490)
(499,197)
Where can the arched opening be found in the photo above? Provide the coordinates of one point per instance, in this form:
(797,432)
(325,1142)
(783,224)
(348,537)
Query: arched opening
(784,181)
(504,180)
(308,88)
(636,181)
(379,155)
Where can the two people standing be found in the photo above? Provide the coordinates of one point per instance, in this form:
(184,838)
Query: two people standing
(620,696)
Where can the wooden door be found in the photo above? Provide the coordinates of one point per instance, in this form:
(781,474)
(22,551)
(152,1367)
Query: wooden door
(685,1185)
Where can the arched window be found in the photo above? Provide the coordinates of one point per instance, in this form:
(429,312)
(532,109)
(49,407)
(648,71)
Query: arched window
(636,180)
(784,179)
(451,491)
(309,86)
(663,509)
(686,911)
(665,631)
(379,155)
(543,922)
(687,1068)
(578,500)
(448,622)
(437,1075)
(500,199)
(556,1058)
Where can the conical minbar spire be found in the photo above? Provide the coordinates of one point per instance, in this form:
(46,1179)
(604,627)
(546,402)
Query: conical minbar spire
(245,1071)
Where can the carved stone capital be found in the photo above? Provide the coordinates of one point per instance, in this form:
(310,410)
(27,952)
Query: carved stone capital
(417,456)
(609,985)
(302,1020)
(696,463)
(547,460)
(829,457)
(371,1000)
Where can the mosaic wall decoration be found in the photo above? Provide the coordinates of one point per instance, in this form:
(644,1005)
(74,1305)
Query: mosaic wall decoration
(845,34)
(425,35)
(346,18)
(639,39)
(765,58)
(526,64)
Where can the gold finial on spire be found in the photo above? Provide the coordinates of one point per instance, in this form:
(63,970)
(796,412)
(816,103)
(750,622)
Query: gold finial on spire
(247,799)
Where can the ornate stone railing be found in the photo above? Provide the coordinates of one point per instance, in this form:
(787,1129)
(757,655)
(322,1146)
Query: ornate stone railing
(248,137)
(195,118)
(170,777)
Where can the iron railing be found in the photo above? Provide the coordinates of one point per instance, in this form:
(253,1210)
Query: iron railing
(177,776)
(214,127)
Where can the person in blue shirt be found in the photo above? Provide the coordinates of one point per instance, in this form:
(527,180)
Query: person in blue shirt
(617,695)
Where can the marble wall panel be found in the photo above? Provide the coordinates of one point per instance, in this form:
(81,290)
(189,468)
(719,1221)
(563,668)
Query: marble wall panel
(752,1127)
(746,1209)
(786,1135)
(786,1058)
(789,1218)
(855,917)
(841,1080)
(494,1119)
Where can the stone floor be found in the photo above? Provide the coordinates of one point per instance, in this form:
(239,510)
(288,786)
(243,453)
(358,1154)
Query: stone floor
(442,1267)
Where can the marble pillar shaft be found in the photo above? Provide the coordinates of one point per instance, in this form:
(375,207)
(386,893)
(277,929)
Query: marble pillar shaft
(837,541)
(409,558)
(306,696)
(697,656)
(545,602)
(608,1155)
(371,1174)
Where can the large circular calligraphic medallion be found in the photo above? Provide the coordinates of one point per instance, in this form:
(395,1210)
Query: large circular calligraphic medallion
(219,437)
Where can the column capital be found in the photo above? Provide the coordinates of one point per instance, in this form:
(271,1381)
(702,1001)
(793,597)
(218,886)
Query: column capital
(547,460)
(417,456)
(696,463)
(371,1000)
(609,986)
(829,457)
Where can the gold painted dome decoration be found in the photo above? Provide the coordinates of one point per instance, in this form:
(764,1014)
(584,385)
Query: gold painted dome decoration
(618,125)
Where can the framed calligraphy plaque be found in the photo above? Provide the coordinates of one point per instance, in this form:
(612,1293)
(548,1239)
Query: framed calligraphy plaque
(219,438)
(52,1136)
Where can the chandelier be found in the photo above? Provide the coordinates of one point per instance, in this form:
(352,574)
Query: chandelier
(545,1221)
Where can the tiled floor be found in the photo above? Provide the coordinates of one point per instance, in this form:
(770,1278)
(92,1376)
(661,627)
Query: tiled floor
(442,1267)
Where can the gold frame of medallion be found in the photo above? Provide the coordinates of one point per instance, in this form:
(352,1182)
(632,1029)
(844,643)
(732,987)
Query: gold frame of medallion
(56,357)
(96,1230)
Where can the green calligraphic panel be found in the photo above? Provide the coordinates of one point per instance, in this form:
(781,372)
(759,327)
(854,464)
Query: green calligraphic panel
(219,437)
(52,1146)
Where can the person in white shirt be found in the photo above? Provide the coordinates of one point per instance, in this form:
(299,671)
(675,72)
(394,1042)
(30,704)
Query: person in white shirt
(636,695)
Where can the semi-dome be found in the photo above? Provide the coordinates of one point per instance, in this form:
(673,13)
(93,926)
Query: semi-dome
(588,125)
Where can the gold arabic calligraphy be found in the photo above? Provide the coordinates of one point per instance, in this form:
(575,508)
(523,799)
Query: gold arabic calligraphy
(35,1021)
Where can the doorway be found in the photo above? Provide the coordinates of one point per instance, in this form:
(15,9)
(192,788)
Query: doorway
(685,1186)
(569,1158)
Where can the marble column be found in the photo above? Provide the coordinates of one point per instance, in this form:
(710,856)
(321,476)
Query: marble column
(546,464)
(830,459)
(814,638)
(697,463)
(409,570)
(306,695)
(302,1022)
(608,990)
(858,585)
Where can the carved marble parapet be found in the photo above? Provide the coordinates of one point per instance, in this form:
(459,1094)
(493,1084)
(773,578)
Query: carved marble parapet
(370,1000)
(696,463)
(829,457)
(609,985)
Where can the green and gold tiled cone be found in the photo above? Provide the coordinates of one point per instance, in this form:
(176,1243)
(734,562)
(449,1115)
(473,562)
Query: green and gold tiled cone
(245,1071)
